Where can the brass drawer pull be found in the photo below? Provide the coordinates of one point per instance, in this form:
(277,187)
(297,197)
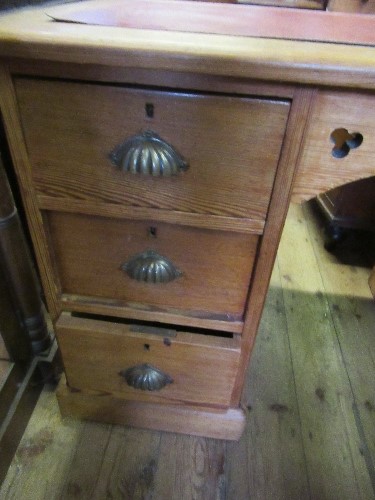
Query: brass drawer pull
(148,154)
(146,377)
(151,267)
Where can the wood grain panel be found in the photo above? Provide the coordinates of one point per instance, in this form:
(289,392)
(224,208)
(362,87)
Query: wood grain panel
(193,420)
(203,368)
(240,20)
(216,266)
(232,145)
(318,170)
(275,222)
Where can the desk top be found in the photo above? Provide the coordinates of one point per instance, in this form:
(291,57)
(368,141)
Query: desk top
(30,33)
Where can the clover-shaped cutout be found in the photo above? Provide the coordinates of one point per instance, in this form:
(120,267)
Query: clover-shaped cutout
(344,141)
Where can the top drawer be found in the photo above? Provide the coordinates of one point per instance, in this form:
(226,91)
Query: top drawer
(232,146)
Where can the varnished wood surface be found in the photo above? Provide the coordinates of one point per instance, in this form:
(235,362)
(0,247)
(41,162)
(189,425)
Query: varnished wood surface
(278,209)
(107,407)
(202,367)
(309,396)
(89,253)
(231,144)
(318,170)
(30,34)
(122,309)
(222,19)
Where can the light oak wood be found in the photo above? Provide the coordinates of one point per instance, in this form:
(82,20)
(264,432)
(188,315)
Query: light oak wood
(120,309)
(276,217)
(58,116)
(231,145)
(235,224)
(89,253)
(212,18)
(197,421)
(318,170)
(151,77)
(256,58)
(203,368)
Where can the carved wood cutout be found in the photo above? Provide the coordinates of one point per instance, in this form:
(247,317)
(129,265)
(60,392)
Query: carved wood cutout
(344,141)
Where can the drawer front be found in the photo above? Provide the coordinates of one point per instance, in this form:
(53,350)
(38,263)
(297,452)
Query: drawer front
(319,170)
(206,272)
(176,367)
(231,146)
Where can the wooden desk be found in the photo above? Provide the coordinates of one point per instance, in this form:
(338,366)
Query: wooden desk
(246,124)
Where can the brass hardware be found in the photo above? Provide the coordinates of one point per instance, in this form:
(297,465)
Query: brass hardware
(344,142)
(146,377)
(148,154)
(151,267)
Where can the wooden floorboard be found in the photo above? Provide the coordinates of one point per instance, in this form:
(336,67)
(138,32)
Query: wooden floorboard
(330,436)
(309,396)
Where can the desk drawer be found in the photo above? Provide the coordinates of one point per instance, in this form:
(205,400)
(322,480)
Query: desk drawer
(166,367)
(201,271)
(230,144)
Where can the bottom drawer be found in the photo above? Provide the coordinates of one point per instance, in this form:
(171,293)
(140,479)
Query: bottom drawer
(148,364)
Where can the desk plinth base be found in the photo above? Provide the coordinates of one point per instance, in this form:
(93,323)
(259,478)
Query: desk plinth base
(91,405)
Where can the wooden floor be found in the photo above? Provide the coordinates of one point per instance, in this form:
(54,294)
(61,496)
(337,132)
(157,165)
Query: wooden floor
(310,396)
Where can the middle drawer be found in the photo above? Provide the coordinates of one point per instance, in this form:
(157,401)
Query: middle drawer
(141,264)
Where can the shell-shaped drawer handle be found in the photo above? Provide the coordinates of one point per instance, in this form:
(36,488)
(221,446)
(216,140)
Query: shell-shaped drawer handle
(146,377)
(151,267)
(148,154)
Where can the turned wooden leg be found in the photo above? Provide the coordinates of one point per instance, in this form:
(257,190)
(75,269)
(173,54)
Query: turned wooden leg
(19,275)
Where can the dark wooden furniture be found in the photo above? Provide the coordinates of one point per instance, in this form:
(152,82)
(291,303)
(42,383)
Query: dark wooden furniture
(156,179)
(348,207)
(351,206)
(20,283)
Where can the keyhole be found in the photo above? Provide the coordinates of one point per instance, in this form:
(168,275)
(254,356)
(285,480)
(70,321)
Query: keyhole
(344,141)
(149,108)
(146,347)
(152,231)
